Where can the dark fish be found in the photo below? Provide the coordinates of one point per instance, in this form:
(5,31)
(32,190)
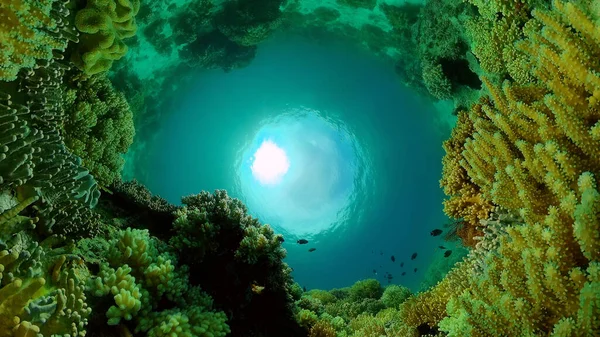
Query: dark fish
(403,273)
(304,288)
(436,232)
(447,253)
(312,249)
(302,241)
(389,281)
(442,247)
(414,256)
(415,270)
(401,264)
(393,258)
(280,239)
(374,271)
(389,276)
(380,253)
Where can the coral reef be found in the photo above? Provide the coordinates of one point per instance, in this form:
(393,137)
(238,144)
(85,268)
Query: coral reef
(103,24)
(98,126)
(29,32)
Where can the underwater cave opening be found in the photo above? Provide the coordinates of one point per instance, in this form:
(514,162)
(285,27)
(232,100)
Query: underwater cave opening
(322,142)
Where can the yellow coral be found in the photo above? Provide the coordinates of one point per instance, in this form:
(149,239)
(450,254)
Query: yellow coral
(29,31)
(104,24)
(430,306)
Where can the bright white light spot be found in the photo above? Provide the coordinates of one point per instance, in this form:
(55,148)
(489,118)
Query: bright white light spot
(270,163)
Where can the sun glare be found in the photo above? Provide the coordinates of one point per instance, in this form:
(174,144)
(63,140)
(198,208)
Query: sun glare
(270,163)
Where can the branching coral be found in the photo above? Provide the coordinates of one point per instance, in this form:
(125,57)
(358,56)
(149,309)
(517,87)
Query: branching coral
(537,282)
(465,200)
(534,152)
(29,31)
(98,126)
(429,307)
(104,25)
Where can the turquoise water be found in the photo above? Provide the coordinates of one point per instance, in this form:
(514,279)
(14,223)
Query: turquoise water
(352,158)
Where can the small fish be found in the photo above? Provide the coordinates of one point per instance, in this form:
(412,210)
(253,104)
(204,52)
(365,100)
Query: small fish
(403,273)
(401,264)
(415,270)
(389,276)
(436,232)
(393,258)
(280,239)
(304,289)
(312,250)
(442,247)
(447,253)
(380,253)
(414,256)
(257,289)
(374,271)
(302,241)
(389,281)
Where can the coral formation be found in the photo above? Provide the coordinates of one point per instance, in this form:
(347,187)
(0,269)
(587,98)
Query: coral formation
(98,126)
(31,31)
(520,172)
(103,24)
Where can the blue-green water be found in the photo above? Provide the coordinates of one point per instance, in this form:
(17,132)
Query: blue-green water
(362,160)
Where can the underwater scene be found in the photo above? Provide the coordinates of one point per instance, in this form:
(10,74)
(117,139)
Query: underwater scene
(299,168)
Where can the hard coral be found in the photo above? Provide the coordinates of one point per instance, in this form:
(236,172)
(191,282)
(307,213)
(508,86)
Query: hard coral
(98,126)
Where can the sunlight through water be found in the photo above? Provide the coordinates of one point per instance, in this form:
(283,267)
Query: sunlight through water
(270,163)
(302,173)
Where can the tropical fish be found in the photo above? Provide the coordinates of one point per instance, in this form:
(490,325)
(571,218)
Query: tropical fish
(280,239)
(257,289)
(389,276)
(414,256)
(312,249)
(415,270)
(302,241)
(401,264)
(374,271)
(447,253)
(393,258)
(304,289)
(403,273)
(442,247)
(436,232)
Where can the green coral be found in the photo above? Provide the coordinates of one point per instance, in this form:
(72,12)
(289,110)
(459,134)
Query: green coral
(191,322)
(98,127)
(103,24)
(369,288)
(394,295)
(122,286)
(40,288)
(258,242)
(307,318)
